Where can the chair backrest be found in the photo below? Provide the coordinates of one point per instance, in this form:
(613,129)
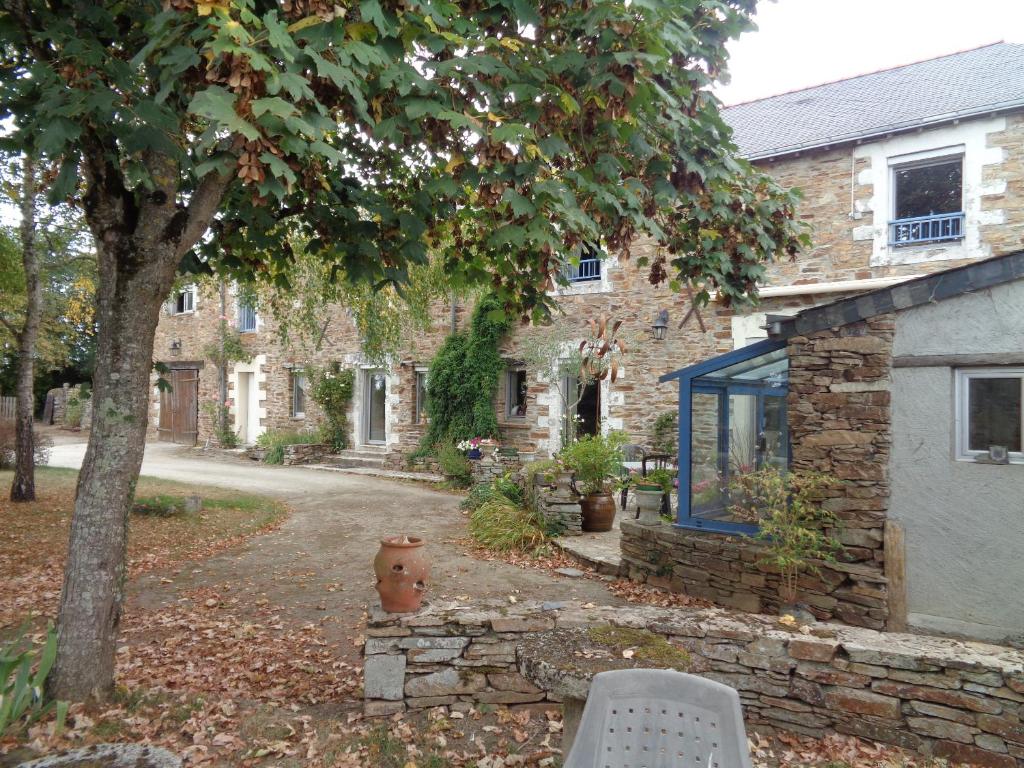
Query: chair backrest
(659,718)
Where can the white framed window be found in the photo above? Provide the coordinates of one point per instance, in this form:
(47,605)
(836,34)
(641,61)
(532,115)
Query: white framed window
(927,200)
(419,412)
(298,380)
(989,413)
(184,301)
(516,389)
(247,320)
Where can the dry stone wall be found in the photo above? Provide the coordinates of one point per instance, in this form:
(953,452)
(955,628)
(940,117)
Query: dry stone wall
(952,699)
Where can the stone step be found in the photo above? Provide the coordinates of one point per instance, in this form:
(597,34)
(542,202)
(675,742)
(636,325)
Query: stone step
(598,551)
(358,457)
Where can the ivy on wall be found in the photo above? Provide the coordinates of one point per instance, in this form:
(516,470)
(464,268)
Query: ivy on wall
(464,377)
(332,390)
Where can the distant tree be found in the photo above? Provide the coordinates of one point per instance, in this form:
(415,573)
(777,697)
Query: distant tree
(48,291)
(513,129)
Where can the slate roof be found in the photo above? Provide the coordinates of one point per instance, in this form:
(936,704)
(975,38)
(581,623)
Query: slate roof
(975,82)
(922,290)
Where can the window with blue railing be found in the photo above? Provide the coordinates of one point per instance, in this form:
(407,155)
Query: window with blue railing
(587,270)
(927,202)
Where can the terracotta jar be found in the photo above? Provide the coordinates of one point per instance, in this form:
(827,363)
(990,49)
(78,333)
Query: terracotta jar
(597,511)
(402,569)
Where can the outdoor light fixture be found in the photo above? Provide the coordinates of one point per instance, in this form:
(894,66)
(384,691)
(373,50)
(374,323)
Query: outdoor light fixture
(660,325)
(176,346)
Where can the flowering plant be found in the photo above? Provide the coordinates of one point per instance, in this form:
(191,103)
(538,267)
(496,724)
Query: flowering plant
(469,445)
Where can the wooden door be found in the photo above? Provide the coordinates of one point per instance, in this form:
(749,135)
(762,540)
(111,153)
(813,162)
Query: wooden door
(179,407)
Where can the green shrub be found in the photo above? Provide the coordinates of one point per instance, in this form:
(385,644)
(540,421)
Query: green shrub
(220,418)
(23,672)
(455,466)
(504,526)
(505,487)
(73,412)
(596,460)
(276,440)
(158,506)
(544,467)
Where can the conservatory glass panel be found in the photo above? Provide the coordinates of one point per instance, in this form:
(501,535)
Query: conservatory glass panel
(738,427)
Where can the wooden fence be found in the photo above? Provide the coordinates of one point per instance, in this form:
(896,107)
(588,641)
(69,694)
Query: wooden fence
(7,408)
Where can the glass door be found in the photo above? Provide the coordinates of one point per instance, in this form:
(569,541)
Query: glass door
(374,409)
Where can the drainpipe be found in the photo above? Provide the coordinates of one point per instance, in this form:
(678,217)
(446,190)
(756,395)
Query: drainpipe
(222,369)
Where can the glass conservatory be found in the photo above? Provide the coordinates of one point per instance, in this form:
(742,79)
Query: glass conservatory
(732,422)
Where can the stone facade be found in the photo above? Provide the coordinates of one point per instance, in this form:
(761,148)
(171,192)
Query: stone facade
(843,204)
(952,699)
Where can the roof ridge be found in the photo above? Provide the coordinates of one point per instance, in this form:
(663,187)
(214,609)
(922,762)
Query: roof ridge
(867,74)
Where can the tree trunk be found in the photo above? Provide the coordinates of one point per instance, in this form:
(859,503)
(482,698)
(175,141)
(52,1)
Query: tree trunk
(128,309)
(23,487)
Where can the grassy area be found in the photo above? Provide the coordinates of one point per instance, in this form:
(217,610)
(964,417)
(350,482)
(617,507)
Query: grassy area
(33,536)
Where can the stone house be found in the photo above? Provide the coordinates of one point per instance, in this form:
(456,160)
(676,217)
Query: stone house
(911,396)
(903,172)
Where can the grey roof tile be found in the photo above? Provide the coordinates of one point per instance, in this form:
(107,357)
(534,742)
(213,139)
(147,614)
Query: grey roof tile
(960,84)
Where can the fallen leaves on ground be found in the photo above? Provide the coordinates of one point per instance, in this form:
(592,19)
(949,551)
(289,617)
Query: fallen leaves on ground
(635,592)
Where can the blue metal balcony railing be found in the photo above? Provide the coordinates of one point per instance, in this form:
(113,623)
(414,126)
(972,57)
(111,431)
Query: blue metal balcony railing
(927,229)
(246,318)
(589,269)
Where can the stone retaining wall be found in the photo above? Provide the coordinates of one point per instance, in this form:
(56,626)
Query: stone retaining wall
(558,504)
(305,453)
(959,700)
(493,465)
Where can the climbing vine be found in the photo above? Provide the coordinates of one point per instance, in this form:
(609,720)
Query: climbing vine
(331,389)
(464,377)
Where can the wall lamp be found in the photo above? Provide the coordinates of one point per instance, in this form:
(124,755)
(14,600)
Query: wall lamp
(660,325)
(176,347)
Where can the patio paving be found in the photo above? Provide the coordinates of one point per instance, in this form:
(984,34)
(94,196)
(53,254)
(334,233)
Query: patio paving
(600,551)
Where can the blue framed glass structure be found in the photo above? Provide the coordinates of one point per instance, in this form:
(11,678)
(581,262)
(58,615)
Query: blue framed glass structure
(732,421)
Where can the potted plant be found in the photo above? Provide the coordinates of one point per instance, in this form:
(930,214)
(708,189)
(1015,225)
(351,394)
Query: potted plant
(596,461)
(650,493)
(793,525)
(471,448)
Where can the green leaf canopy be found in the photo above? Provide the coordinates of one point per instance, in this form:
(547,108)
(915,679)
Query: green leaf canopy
(513,130)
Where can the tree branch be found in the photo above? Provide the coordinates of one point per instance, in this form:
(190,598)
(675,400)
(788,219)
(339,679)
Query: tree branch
(11,329)
(201,208)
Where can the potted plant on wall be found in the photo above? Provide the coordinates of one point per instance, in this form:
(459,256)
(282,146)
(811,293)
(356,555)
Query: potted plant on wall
(596,461)
(797,531)
(650,491)
(471,448)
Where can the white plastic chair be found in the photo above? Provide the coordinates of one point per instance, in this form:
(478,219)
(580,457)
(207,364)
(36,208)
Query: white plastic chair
(659,718)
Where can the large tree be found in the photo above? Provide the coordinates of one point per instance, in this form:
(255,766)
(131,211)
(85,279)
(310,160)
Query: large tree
(513,129)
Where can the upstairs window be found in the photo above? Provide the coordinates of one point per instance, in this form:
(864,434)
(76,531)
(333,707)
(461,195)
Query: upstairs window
(516,389)
(588,269)
(185,301)
(246,316)
(928,201)
(990,419)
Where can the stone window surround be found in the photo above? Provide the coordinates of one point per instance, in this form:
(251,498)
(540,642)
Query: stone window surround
(961,415)
(604,285)
(968,138)
(297,381)
(419,411)
(552,421)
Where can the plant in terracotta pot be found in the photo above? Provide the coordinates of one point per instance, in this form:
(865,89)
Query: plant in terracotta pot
(797,531)
(596,461)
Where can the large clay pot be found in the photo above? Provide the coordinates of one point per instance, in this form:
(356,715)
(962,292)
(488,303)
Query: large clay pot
(598,512)
(402,569)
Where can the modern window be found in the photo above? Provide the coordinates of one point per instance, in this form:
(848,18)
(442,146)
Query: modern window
(588,269)
(989,415)
(298,394)
(516,390)
(927,204)
(419,412)
(185,300)
(246,316)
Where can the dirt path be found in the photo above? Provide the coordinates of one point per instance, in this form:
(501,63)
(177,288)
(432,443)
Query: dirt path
(318,566)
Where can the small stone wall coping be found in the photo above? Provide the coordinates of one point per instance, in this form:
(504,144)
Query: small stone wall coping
(949,698)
